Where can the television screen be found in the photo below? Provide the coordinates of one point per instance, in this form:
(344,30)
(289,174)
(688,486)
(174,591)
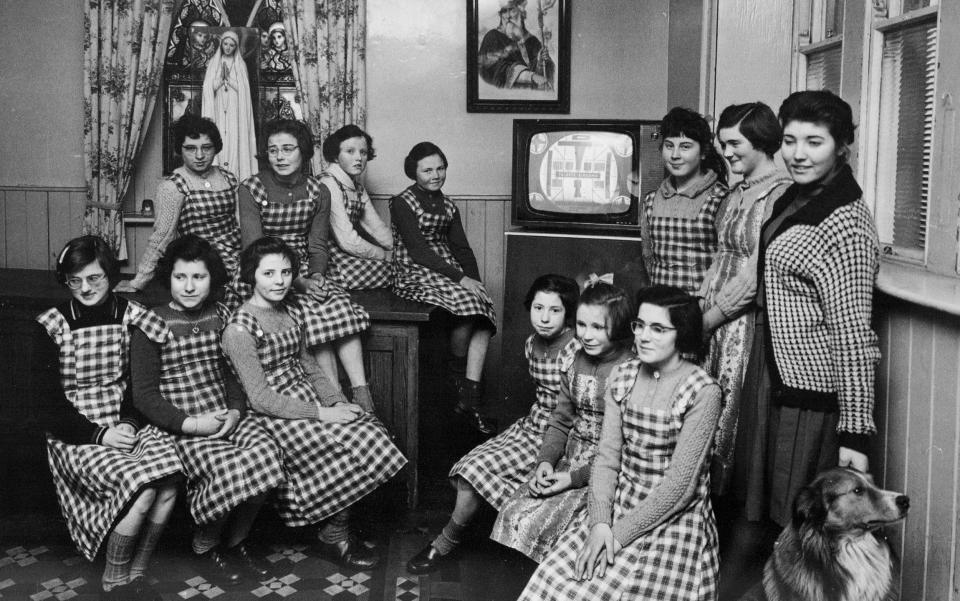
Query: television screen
(583,174)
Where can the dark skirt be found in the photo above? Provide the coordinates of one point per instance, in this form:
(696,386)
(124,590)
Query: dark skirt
(779,449)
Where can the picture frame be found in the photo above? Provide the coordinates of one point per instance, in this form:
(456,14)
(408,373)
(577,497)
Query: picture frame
(518,56)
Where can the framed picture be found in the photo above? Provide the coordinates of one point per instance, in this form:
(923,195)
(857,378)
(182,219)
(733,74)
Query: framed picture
(518,56)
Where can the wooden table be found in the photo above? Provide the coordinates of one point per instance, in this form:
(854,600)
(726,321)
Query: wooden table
(399,350)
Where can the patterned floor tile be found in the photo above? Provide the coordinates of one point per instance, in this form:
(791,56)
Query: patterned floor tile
(277,586)
(21,556)
(198,586)
(408,589)
(291,553)
(56,588)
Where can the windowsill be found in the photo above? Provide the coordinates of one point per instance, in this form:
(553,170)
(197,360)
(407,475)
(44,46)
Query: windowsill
(920,287)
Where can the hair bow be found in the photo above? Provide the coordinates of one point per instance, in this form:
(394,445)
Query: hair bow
(593,278)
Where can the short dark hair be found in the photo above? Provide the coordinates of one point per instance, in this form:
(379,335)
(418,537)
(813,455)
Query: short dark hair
(619,310)
(191,248)
(419,152)
(680,121)
(331,146)
(685,315)
(297,129)
(822,107)
(194,126)
(268,245)
(82,251)
(756,122)
(564,287)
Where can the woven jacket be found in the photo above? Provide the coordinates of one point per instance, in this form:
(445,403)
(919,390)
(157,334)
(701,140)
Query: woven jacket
(819,267)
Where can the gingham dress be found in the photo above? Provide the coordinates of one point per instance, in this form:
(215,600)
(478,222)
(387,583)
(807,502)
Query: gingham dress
(415,282)
(96,483)
(211,214)
(682,247)
(352,272)
(531,524)
(336,316)
(738,233)
(221,473)
(328,466)
(677,560)
(502,464)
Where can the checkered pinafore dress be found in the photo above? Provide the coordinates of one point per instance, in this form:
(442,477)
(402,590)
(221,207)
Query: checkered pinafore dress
(531,524)
(677,560)
(96,483)
(683,248)
(415,282)
(211,214)
(328,466)
(221,473)
(354,273)
(336,316)
(499,466)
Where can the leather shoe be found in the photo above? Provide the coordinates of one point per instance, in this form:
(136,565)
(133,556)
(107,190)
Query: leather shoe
(478,422)
(254,567)
(426,561)
(219,568)
(350,554)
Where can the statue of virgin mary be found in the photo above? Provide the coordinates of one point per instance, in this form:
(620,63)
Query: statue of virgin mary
(226,100)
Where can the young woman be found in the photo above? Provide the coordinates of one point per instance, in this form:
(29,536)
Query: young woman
(283,201)
(495,469)
(334,453)
(433,263)
(679,238)
(226,101)
(360,253)
(198,198)
(750,136)
(650,532)
(114,480)
(183,386)
(535,516)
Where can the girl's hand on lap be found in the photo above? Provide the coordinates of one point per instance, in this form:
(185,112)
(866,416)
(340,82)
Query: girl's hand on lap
(471,284)
(205,424)
(542,478)
(560,481)
(228,425)
(597,554)
(118,438)
(342,413)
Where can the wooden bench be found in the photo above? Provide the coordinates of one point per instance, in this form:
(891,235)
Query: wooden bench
(399,354)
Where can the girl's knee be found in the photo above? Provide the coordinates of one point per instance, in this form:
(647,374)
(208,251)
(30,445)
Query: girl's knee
(144,501)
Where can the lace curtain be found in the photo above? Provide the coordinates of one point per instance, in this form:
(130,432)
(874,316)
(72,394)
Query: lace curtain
(328,45)
(124,48)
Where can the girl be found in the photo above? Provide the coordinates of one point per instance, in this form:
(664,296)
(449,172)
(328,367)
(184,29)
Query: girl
(334,453)
(183,386)
(114,480)
(360,253)
(284,202)
(434,264)
(534,517)
(198,198)
(679,238)
(650,532)
(495,469)
(749,135)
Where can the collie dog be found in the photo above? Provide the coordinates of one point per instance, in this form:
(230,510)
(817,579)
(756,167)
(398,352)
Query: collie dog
(832,550)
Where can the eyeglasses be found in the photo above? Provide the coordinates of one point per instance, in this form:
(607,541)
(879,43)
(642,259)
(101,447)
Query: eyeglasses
(201,150)
(656,329)
(284,150)
(92,280)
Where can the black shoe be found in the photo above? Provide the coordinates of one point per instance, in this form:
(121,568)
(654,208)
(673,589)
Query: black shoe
(426,561)
(481,424)
(254,567)
(350,554)
(219,568)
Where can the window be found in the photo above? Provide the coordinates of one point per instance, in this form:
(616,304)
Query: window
(819,44)
(899,127)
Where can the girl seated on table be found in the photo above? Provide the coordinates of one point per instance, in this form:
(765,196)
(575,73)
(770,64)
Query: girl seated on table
(115,480)
(184,386)
(334,453)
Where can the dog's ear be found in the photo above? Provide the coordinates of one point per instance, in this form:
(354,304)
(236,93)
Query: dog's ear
(808,507)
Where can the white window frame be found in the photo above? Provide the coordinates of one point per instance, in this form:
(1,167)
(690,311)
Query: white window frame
(809,18)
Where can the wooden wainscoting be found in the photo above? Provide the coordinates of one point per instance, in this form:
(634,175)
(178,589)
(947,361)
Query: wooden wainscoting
(918,447)
(36,222)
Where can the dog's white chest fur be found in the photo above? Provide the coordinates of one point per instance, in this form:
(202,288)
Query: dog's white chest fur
(867,560)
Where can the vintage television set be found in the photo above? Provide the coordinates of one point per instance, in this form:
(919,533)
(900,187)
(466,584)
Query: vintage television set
(583,174)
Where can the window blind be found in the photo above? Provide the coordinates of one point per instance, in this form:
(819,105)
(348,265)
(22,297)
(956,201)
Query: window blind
(908,69)
(823,69)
